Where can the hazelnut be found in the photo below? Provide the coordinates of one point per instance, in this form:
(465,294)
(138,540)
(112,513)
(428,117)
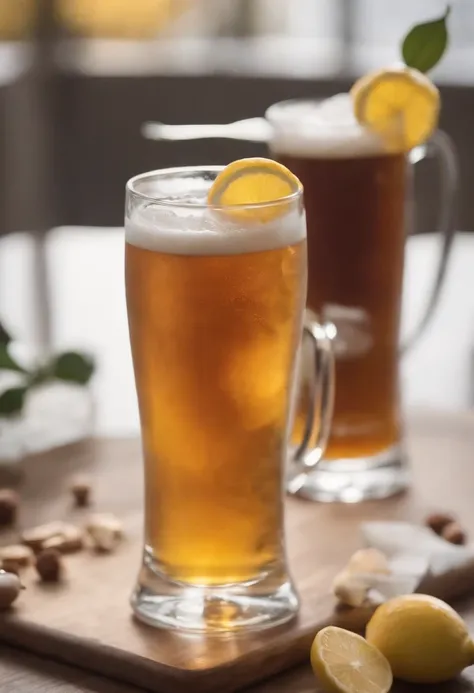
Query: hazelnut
(454,533)
(438,521)
(49,566)
(10,588)
(104,531)
(14,558)
(9,503)
(81,491)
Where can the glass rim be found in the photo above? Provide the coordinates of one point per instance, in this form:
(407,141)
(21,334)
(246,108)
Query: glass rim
(176,171)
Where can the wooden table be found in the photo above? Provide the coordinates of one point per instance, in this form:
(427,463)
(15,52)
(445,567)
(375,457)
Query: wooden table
(21,672)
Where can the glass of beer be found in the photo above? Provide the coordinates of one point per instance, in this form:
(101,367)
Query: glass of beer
(359,201)
(215,300)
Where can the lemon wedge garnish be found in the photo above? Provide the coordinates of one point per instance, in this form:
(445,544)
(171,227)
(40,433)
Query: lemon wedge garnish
(401,105)
(255,181)
(346,663)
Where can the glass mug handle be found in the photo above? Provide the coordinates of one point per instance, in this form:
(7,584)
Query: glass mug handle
(321,399)
(441,148)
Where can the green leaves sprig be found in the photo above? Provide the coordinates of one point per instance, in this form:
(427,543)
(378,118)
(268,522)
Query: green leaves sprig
(425,44)
(70,366)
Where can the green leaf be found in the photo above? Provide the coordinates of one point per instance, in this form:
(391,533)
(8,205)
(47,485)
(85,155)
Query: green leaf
(12,400)
(425,44)
(7,363)
(5,338)
(73,367)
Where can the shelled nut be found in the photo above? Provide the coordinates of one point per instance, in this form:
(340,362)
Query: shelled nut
(9,504)
(454,533)
(10,588)
(81,489)
(438,521)
(48,565)
(15,557)
(105,531)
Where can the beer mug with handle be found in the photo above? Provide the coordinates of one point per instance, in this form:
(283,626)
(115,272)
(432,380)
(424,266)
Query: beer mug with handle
(216,299)
(359,204)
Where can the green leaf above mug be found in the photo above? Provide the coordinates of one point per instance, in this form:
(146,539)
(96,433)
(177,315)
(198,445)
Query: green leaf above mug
(12,400)
(425,44)
(73,367)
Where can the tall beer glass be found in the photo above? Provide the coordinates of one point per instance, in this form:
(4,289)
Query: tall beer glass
(215,301)
(358,201)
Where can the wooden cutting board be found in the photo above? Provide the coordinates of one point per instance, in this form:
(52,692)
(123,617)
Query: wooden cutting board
(86,620)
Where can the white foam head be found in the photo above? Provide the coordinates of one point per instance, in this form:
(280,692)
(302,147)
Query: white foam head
(200,231)
(321,129)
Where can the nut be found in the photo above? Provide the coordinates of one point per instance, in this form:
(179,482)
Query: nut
(368,561)
(104,531)
(58,535)
(454,533)
(14,558)
(438,521)
(81,490)
(70,541)
(10,588)
(349,589)
(49,566)
(35,537)
(9,503)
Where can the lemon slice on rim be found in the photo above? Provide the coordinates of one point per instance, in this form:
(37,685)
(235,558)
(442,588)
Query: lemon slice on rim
(254,181)
(346,663)
(401,105)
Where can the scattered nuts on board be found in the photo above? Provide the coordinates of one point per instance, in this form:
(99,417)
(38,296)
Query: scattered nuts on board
(104,531)
(15,557)
(438,521)
(10,588)
(454,533)
(9,503)
(81,488)
(49,566)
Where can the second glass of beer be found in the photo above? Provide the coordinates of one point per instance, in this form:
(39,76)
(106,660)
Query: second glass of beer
(215,301)
(359,203)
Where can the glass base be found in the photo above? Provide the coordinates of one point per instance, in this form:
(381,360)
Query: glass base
(212,609)
(355,480)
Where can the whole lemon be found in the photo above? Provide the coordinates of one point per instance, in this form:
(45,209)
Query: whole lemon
(424,639)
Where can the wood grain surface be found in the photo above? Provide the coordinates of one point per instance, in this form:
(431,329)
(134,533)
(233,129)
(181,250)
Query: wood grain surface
(86,620)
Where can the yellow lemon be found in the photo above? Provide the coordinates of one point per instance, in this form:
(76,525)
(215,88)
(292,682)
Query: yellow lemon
(346,663)
(401,105)
(256,181)
(423,638)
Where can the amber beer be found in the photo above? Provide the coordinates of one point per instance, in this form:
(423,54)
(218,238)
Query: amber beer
(356,236)
(215,324)
(355,205)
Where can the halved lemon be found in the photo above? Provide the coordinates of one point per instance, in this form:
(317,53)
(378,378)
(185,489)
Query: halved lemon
(401,105)
(254,181)
(346,663)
